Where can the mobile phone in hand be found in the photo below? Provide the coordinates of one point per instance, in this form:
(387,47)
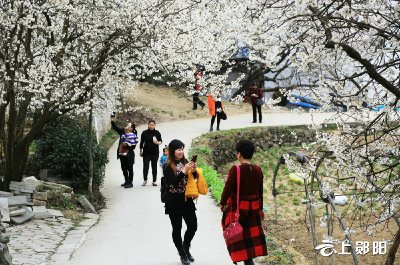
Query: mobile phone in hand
(113,115)
(194,158)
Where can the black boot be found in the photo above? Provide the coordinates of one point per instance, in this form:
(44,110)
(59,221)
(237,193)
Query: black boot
(184,258)
(126,181)
(218,128)
(211,128)
(249,262)
(186,247)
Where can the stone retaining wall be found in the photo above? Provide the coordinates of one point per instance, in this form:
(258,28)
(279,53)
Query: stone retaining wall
(223,144)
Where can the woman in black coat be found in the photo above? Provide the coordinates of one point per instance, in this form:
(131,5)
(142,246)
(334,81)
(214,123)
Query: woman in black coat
(177,206)
(149,142)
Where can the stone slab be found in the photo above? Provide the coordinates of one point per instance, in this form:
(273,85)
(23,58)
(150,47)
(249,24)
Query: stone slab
(22,186)
(16,189)
(86,204)
(18,212)
(17,201)
(39,209)
(41,196)
(4,210)
(43,174)
(30,203)
(55,186)
(13,208)
(65,182)
(39,203)
(56,213)
(23,193)
(6,194)
(43,215)
(29,215)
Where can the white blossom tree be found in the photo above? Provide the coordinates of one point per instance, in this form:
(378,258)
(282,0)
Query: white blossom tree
(349,50)
(58,56)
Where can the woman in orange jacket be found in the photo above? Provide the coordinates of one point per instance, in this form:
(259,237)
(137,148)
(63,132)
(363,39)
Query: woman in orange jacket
(216,109)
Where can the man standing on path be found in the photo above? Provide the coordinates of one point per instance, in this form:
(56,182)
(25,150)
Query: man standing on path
(256,93)
(197,76)
(128,160)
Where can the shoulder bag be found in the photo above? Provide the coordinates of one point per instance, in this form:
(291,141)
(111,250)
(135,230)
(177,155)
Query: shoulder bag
(259,101)
(223,115)
(234,231)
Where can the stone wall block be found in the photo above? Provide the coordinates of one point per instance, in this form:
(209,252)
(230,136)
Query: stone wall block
(41,196)
(39,203)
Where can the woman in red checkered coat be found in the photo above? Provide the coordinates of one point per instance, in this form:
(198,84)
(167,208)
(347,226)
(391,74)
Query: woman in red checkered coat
(251,214)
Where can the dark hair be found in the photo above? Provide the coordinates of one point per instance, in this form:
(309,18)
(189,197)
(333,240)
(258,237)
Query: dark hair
(246,148)
(151,121)
(133,126)
(174,145)
(166,147)
(255,84)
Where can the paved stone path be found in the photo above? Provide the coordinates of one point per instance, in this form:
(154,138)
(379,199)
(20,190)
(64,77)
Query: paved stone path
(134,229)
(36,241)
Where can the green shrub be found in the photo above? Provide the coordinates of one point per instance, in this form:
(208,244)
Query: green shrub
(63,149)
(214,181)
(297,214)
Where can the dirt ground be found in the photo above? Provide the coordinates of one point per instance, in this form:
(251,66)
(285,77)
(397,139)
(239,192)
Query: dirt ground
(165,104)
(297,230)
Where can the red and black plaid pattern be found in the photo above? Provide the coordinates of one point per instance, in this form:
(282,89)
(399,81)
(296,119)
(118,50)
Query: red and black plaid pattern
(253,243)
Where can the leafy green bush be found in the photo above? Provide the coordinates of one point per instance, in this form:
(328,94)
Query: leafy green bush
(63,149)
(214,181)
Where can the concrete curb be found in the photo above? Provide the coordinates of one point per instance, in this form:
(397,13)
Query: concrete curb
(73,240)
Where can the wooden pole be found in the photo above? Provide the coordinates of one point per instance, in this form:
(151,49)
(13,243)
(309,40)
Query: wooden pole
(312,222)
(329,229)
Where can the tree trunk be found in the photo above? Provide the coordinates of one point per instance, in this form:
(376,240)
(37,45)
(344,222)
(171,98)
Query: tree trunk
(392,251)
(90,157)
(9,154)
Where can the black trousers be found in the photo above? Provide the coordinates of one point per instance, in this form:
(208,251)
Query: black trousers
(146,164)
(197,100)
(127,169)
(218,119)
(191,224)
(255,108)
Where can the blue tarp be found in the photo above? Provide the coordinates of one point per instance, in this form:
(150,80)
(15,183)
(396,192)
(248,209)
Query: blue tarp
(242,53)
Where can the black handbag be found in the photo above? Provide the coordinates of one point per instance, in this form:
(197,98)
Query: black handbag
(223,116)
(163,190)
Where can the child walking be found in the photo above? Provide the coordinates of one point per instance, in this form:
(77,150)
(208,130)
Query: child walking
(164,157)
